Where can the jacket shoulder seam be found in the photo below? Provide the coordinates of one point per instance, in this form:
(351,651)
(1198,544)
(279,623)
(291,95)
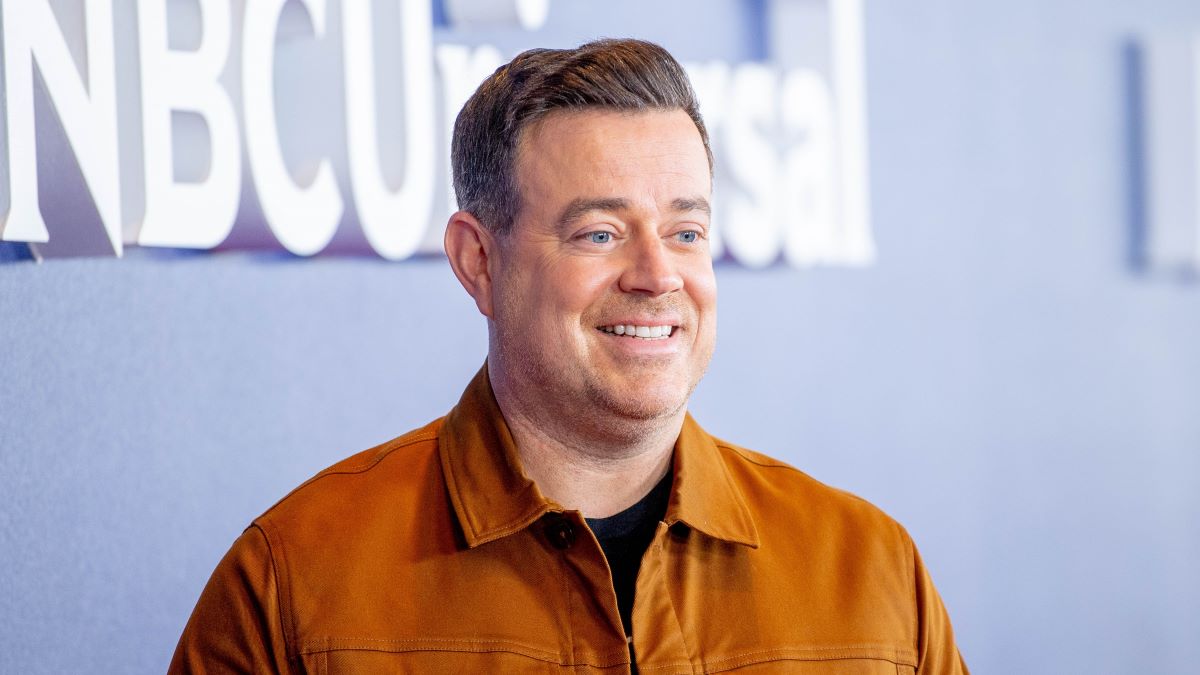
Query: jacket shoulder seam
(287,618)
(744,455)
(386,450)
(379,456)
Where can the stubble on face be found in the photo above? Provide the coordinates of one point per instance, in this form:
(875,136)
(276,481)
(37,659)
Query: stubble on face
(645,370)
(602,398)
(601,406)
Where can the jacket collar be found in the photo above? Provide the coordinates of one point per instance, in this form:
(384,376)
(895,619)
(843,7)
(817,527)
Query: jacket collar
(704,496)
(493,497)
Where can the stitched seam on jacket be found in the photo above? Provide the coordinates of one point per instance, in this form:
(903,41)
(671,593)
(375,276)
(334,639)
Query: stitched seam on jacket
(610,659)
(875,652)
(785,657)
(662,570)
(491,534)
(286,616)
(564,576)
(313,646)
(515,525)
(911,558)
(741,500)
(453,645)
(360,468)
(379,457)
(741,453)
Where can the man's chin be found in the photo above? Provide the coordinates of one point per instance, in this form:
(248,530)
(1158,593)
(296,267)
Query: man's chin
(639,404)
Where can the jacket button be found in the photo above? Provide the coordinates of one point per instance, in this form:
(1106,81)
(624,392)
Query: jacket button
(560,533)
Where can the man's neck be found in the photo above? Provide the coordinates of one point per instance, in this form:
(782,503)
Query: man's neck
(582,467)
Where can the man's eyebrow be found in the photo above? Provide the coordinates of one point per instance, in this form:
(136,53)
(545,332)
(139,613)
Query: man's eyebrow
(580,207)
(685,204)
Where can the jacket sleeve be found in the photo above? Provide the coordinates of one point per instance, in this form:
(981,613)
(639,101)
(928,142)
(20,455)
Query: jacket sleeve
(236,626)
(937,653)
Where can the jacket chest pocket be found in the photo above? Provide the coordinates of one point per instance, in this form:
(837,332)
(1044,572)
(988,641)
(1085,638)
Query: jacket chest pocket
(431,662)
(818,667)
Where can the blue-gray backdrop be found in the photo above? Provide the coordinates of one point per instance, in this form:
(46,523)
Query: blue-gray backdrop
(1006,381)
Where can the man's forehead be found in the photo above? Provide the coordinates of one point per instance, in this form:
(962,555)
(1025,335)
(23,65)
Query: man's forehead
(596,144)
(595,130)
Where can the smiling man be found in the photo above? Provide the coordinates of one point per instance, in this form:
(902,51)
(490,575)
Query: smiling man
(568,514)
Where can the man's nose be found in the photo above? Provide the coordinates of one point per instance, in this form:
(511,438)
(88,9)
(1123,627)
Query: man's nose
(651,268)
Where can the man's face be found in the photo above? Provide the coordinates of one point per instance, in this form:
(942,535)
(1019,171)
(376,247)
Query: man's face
(605,294)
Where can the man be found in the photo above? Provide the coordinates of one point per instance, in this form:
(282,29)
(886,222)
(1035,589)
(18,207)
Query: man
(568,514)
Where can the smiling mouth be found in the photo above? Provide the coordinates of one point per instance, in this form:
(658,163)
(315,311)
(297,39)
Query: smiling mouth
(640,332)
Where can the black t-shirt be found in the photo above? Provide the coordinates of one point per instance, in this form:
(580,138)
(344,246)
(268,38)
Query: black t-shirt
(624,537)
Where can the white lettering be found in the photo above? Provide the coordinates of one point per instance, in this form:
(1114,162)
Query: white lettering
(788,137)
(808,186)
(752,227)
(393,221)
(303,219)
(849,87)
(193,214)
(88,114)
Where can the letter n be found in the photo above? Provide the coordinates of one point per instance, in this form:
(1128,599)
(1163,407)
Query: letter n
(86,108)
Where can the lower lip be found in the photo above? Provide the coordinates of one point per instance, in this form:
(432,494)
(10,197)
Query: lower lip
(643,346)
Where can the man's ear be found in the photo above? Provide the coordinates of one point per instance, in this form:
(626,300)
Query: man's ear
(470,247)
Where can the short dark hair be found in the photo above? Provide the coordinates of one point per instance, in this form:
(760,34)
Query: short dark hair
(623,75)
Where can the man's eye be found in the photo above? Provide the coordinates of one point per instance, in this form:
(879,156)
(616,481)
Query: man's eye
(688,236)
(599,237)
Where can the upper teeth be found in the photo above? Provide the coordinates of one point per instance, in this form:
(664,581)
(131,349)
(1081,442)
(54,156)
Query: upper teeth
(650,332)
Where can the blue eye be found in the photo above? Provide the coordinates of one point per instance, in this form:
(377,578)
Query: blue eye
(599,237)
(688,236)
